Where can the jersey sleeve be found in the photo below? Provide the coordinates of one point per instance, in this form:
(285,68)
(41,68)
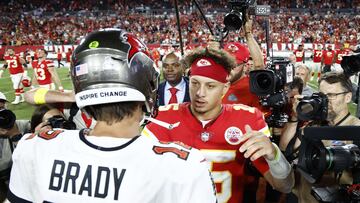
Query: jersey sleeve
(21,174)
(189,181)
(155,131)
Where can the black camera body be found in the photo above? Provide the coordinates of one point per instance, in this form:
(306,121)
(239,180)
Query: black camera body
(273,79)
(315,159)
(236,18)
(7,119)
(61,122)
(351,64)
(269,85)
(314,107)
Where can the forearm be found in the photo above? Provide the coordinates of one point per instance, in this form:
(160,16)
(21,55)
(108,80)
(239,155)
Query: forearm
(288,133)
(280,175)
(55,78)
(42,96)
(255,51)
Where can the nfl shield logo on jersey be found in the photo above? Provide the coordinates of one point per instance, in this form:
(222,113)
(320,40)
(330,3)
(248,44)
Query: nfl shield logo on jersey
(233,135)
(205,136)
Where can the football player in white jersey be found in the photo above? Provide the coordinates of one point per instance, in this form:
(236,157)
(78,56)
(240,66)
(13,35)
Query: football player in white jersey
(115,82)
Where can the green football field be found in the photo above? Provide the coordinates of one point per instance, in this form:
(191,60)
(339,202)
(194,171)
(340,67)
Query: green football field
(24,110)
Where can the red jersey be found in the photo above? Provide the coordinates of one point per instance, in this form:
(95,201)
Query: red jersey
(218,140)
(328,57)
(317,56)
(59,56)
(41,70)
(239,93)
(68,56)
(340,54)
(299,55)
(14,64)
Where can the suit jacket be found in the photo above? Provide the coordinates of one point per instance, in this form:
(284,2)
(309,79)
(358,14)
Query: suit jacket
(161,92)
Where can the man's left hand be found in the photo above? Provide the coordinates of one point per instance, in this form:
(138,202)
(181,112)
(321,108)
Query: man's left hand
(256,144)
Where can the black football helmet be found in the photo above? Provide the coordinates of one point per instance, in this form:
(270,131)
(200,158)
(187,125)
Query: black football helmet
(111,65)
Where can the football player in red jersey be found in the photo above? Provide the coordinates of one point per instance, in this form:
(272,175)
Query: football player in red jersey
(327,59)
(45,73)
(16,70)
(317,57)
(300,54)
(339,57)
(59,57)
(226,134)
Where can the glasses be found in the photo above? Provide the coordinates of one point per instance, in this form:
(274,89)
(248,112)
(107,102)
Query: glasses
(334,95)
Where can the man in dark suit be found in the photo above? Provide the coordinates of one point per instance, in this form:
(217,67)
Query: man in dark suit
(175,88)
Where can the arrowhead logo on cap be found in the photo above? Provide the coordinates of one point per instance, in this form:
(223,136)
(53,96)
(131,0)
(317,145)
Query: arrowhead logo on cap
(203,63)
(233,47)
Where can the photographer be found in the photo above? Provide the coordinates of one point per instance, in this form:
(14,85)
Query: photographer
(338,90)
(304,72)
(11,131)
(65,100)
(46,117)
(239,91)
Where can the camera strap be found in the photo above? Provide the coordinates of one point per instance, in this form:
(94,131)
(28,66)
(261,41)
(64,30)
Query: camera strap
(342,120)
(73,111)
(290,150)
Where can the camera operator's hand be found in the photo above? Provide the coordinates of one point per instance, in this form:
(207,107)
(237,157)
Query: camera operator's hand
(44,126)
(256,144)
(295,102)
(248,25)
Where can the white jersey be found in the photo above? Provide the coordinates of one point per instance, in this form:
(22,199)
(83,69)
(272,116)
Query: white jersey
(69,166)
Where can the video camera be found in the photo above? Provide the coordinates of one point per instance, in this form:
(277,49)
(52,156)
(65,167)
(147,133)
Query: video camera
(351,64)
(269,85)
(314,107)
(60,122)
(7,119)
(315,159)
(236,18)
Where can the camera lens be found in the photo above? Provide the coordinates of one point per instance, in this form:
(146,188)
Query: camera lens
(233,20)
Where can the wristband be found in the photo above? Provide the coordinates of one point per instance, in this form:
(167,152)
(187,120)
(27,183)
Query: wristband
(279,167)
(39,97)
(295,121)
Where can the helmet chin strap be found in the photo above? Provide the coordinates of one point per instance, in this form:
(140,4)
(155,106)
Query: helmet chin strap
(162,123)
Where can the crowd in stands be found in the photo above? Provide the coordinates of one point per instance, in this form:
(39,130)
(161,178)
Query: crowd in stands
(65,22)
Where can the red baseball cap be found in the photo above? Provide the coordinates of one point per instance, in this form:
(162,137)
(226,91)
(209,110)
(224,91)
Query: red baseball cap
(239,51)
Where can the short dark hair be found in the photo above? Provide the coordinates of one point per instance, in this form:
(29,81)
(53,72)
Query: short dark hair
(334,77)
(297,83)
(113,112)
(38,115)
(219,56)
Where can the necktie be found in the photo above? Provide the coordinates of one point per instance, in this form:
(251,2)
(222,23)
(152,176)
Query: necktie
(173,98)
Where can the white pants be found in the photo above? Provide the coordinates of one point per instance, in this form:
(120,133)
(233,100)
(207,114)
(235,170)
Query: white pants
(16,80)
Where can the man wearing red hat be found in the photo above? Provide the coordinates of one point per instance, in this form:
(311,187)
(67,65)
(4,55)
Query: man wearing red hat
(226,134)
(239,91)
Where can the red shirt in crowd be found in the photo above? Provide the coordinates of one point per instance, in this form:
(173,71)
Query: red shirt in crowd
(239,93)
